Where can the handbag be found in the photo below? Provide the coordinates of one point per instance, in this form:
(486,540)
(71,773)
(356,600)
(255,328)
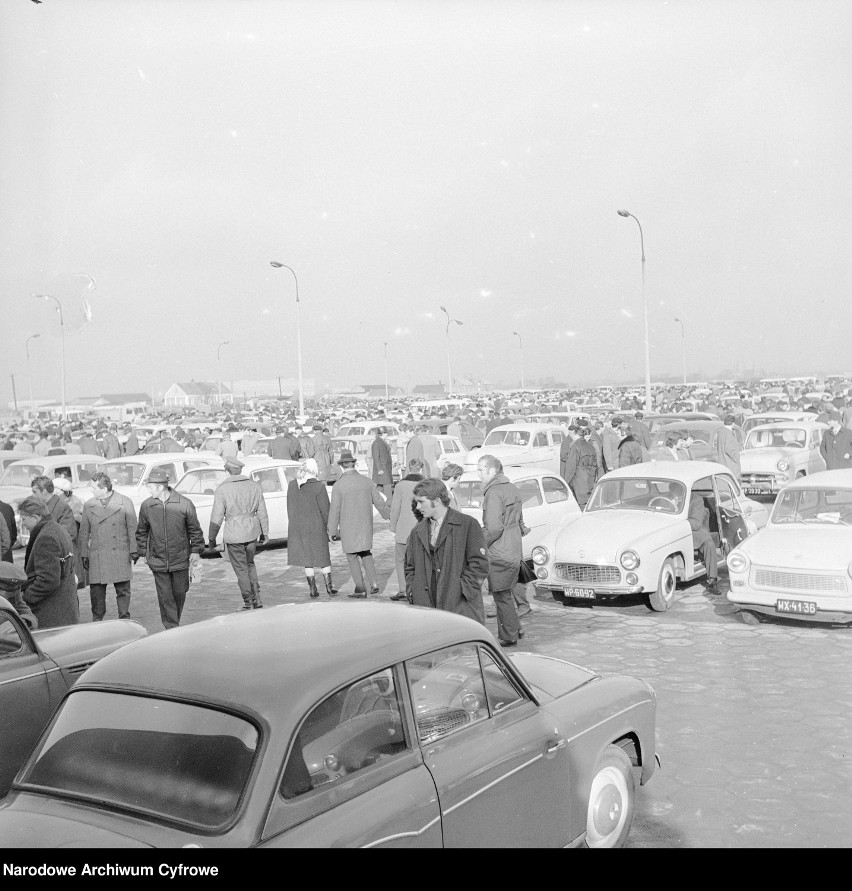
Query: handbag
(525,574)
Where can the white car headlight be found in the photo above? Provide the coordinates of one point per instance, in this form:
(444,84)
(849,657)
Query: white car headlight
(738,561)
(630,560)
(783,464)
(540,555)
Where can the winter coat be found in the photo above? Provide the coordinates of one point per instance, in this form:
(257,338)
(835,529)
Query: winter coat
(239,503)
(89,446)
(285,448)
(431,454)
(642,432)
(836,448)
(597,445)
(131,447)
(107,538)
(168,532)
(306,446)
(248,443)
(5,538)
(353,497)
(728,450)
(323,455)
(227,448)
(51,586)
(629,451)
(382,463)
(112,447)
(580,470)
(402,519)
(460,561)
(502,518)
(609,441)
(60,510)
(307,517)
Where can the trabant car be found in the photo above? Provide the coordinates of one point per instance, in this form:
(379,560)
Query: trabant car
(798,566)
(199,486)
(775,454)
(547,501)
(776,417)
(521,445)
(37,668)
(634,535)
(130,475)
(333,725)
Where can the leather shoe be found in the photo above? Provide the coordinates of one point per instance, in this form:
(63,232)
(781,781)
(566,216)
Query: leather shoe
(521,633)
(507,643)
(713,587)
(358,595)
(399,596)
(374,589)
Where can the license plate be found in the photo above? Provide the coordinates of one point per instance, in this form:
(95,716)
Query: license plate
(587,593)
(803,607)
(754,490)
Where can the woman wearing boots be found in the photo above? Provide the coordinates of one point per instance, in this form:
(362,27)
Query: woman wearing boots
(307,537)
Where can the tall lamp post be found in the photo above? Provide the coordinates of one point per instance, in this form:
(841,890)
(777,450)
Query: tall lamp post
(278,265)
(387,390)
(648,406)
(29,372)
(521,342)
(449,363)
(683,348)
(62,328)
(219,369)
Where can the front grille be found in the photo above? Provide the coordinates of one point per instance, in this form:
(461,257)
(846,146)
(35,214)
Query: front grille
(587,574)
(798,581)
(748,478)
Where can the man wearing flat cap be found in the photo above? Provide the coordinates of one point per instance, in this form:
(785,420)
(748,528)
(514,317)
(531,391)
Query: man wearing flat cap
(239,504)
(170,537)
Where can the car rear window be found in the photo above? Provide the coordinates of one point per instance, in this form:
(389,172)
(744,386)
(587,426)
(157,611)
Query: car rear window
(21,474)
(170,760)
(125,473)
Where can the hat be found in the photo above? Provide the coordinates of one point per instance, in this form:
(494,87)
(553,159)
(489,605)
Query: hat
(11,571)
(60,482)
(158,476)
(835,416)
(231,461)
(232,429)
(346,457)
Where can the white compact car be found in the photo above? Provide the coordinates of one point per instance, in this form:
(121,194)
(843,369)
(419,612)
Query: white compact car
(776,454)
(521,445)
(800,565)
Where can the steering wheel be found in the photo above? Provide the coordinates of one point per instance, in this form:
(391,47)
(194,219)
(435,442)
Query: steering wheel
(663,501)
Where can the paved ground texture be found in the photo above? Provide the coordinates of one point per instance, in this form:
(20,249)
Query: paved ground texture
(753,724)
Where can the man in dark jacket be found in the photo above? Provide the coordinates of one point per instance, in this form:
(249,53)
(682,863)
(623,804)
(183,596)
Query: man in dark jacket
(836,445)
(7,514)
(51,586)
(580,469)
(699,523)
(285,447)
(170,537)
(629,449)
(88,444)
(445,559)
(502,522)
(382,463)
(58,508)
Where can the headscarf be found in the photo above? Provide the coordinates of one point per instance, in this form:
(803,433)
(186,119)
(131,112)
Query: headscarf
(308,470)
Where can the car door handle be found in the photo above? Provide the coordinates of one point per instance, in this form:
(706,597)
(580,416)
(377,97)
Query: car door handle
(554,745)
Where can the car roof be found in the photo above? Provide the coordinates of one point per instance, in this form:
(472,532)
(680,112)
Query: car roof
(807,424)
(532,427)
(512,473)
(280,661)
(58,460)
(689,425)
(825,479)
(152,458)
(684,471)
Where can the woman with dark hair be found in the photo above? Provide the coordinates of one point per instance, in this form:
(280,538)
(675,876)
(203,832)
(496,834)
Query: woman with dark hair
(307,536)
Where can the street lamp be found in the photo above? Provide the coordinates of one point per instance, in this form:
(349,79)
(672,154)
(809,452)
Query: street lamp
(648,406)
(278,265)
(683,348)
(521,342)
(29,372)
(62,328)
(387,391)
(219,369)
(449,363)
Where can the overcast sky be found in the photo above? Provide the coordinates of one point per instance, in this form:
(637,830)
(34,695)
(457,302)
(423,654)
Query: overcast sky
(405,155)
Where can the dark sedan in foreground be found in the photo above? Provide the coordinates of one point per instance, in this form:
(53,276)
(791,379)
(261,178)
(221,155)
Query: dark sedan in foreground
(325,725)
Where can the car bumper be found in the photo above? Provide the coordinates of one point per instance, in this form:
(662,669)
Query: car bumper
(827,609)
(600,592)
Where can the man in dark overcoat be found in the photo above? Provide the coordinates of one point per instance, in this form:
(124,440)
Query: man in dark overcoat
(51,586)
(382,463)
(445,558)
(307,534)
(58,508)
(107,545)
(580,468)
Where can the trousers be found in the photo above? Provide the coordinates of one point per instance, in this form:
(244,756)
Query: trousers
(508,623)
(355,562)
(400,564)
(703,543)
(97,595)
(241,558)
(171,595)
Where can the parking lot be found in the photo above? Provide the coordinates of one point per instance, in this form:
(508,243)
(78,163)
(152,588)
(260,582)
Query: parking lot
(752,722)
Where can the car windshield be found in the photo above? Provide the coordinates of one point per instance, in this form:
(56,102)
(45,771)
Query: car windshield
(779,438)
(468,493)
(507,437)
(170,760)
(204,481)
(654,495)
(813,506)
(698,434)
(125,473)
(21,474)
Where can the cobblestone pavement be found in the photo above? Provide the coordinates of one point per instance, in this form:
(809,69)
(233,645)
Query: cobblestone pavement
(753,722)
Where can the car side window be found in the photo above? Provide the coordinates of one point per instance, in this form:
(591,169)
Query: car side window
(540,441)
(290,474)
(554,490)
(727,497)
(168,469)
(11,643)
(447,691)
(84,472)
(558,437)
(352,730)
(530,493)
(501,692)
(268,479)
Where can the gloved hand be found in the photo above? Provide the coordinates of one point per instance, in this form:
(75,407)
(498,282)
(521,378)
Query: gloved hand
(134,557)
(86,563)
(262,538)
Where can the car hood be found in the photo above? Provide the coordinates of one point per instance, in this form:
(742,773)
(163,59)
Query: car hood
(551,678)
(601,535)
(73,644)
(800,546)
(765,457)
(23,826)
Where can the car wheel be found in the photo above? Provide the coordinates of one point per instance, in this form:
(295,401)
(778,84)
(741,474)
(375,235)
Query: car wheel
(612,800)
(662,599)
